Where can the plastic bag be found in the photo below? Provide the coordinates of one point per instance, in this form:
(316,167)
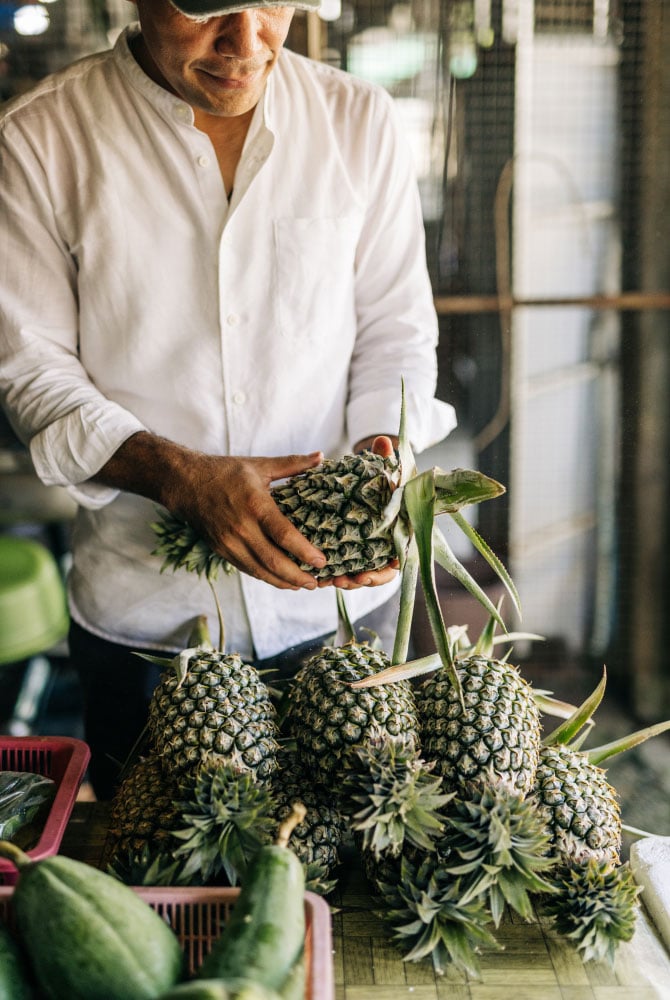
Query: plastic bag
(25,799)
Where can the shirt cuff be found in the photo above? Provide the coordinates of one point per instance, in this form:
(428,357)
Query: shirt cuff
(428,420)
(73,448)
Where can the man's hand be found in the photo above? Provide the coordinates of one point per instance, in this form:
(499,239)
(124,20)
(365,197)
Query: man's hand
(383,445)
(226,499)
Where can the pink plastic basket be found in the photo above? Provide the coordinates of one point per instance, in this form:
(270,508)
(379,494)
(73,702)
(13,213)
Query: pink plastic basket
(62,758)
(197,915)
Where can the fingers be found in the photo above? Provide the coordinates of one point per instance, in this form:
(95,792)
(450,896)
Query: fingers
(291,465)
(374,578)
(259,544)
(383,445)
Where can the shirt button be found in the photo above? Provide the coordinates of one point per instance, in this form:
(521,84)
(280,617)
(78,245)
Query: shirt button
(239,397)
(181,112)
(203,161)
(233,319)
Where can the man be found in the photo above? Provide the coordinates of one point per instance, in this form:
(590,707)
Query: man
(212,251)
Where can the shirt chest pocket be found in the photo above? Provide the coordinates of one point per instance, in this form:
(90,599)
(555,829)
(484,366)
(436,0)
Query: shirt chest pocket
(314,267)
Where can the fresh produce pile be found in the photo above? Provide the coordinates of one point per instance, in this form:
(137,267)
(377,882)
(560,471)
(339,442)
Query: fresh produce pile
(438,772)
(80,934)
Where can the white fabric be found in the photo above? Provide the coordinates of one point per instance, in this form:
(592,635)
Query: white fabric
(135,297)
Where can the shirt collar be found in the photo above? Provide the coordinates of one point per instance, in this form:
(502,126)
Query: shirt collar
(164,101)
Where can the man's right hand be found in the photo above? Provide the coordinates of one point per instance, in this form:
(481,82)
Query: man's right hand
(226,499)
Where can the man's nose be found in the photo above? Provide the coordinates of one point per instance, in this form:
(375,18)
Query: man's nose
(239,34)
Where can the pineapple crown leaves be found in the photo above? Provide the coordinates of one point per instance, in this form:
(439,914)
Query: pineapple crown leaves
(393,798)
(573,731)
(317,878)
(501,844)
(149,866)
(595,907)
(426,910)
(181,547)
(228,817)
(422,501)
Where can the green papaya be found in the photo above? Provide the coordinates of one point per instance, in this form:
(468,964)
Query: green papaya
(264,936)
(88,936)
(14,978)
(220,989)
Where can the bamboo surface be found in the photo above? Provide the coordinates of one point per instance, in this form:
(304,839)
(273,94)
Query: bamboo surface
(535,963)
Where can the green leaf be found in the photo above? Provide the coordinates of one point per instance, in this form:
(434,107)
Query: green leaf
(408,580)
(490,557)
(462,488)
(569,729)
(401,672)
(407,461)
(447,560)
(598,754)
(345,629)
(419,501)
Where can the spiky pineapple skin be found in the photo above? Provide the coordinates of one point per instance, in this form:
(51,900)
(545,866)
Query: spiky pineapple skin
(497,734)
(221,708)
(579,806)
(338,507)
(318,838)
(327,718)
(143,810)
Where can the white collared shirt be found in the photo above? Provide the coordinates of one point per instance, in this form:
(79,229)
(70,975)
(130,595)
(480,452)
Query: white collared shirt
(135,297)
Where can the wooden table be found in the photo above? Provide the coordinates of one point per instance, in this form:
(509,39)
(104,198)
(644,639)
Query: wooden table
(536,963)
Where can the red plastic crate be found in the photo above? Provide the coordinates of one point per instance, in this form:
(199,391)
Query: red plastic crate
(197,914)
(61,758)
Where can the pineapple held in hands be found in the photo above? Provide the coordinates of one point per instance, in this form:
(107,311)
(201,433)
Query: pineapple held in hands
(363,511)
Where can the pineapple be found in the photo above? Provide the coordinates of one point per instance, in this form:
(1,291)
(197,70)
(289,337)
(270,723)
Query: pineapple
(362,511)
(496,842)
(327,718)
(495,737)
(579,806)
(485,728)
(341,506)
(318,838)
(430,916)
(143,810)
(209,704)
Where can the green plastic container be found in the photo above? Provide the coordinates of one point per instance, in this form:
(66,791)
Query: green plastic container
(33,606)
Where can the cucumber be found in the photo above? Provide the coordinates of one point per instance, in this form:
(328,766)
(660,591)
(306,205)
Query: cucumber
(265,934)
(220,989)
(14,981)
(88,936)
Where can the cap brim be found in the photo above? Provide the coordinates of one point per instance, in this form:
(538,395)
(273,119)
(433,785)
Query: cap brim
(212,8)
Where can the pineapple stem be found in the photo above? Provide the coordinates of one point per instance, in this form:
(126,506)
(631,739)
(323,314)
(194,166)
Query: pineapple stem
(296,816)
(219,615)
(199,634)
(345,629)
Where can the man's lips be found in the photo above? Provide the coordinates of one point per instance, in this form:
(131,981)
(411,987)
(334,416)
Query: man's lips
(232,79)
